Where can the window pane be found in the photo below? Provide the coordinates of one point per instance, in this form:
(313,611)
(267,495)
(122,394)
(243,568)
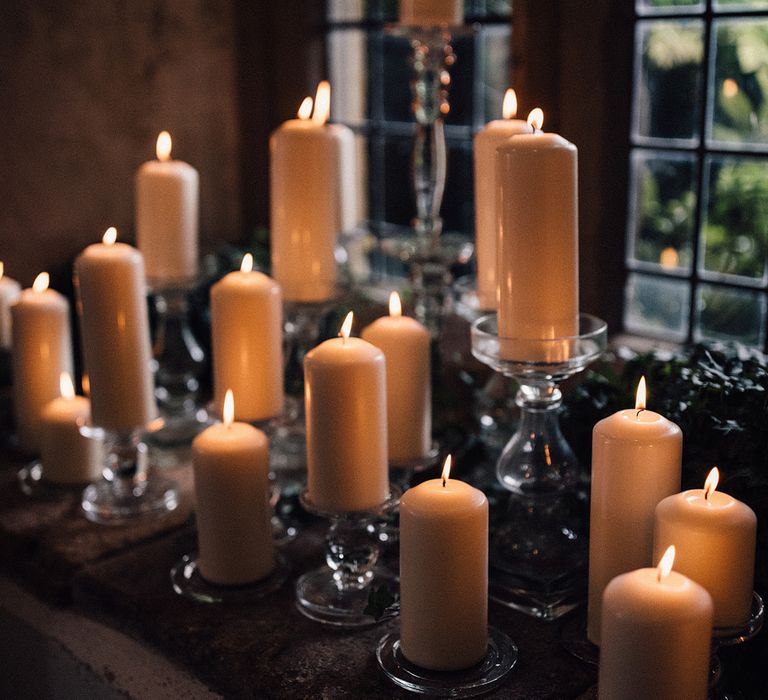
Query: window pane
(656,306)
(730,314)
(356,10)
(461,90)
(347,58)
(662,209)
(736,226)
(645,7)
(730,5)
(669,79)
(494,64)
(740,113)
(395,79)
(488,9)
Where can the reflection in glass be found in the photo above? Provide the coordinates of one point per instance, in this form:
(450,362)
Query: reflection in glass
(669,76)
(663,208)
(740,111)
(724,313)
(656,306)
(736,226)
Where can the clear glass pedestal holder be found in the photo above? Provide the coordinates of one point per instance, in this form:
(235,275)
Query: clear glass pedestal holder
(179,365)
(337,594)
(538,547)
(128,489)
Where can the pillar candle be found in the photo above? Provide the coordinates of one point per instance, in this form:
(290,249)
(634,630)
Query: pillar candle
(114,324)
(167,193)
(431,12)
(312,197)
(715,537)
(406,346)
(538,266)
(67,456)
(444,574)
(487,140)
(346,406)
(636,462)
(42,350)
(231,467)
(10,290)
(247,337)
(656,630)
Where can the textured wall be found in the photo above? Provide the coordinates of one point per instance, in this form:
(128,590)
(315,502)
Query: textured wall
(85,86)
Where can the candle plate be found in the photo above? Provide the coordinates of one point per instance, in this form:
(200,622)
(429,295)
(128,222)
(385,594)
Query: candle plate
(479,679)
(33,483)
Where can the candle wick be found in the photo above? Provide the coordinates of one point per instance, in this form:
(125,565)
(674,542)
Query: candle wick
(639,411)
(658,574)
(443,482)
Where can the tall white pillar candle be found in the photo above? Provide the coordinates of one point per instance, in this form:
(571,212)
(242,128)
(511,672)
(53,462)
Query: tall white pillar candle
(312,197)
(67,456)
(346,406)
(538,243)
(114,324)
(487,140)
(444,574)
(656,630)
(431,12)
(231,467)
(167,219)
(247,337)
(406,346)
(42,350)
(10,290)
(715,536)
(636,462)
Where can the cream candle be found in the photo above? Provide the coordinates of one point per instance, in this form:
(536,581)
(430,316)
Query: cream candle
(486,141)
(10,290)
(346,407)
(167,193)
(312,197)
(231,467)
(406,345)
(42,350)
(716,539)
(656,631)
(431,12)
(444,574)
(67,456)
(111,287)
(247,341)
(538,283)
(636,462)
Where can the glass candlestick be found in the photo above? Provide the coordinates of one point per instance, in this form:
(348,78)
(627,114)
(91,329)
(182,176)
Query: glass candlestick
(538,549)
(127,490)
(337,594)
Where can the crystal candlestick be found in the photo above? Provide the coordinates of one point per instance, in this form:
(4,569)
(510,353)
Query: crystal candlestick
(337,594)
(538,548)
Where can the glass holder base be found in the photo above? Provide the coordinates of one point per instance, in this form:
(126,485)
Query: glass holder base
(477,680)
(33,483)
(188,582)
(573,638)
(105,505)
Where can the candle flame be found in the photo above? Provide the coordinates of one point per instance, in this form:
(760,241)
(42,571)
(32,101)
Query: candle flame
(346,327)
(509,106)
(247,264)
(322,102)
(2,269)
(446,469)
(305,109)
(640,395)
(163,146)
(110,236)
(395,307)
(536,118)
(665,563)
(85,380)
(710,485)
(228,414)
(66,387)
(41,282)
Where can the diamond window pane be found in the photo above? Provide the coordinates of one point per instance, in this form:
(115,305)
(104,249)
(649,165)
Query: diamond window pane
(656,306)
(347,58)
(669,80)
(735,234)
(662,209)
(738,114)
(724,313)
(646,7)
